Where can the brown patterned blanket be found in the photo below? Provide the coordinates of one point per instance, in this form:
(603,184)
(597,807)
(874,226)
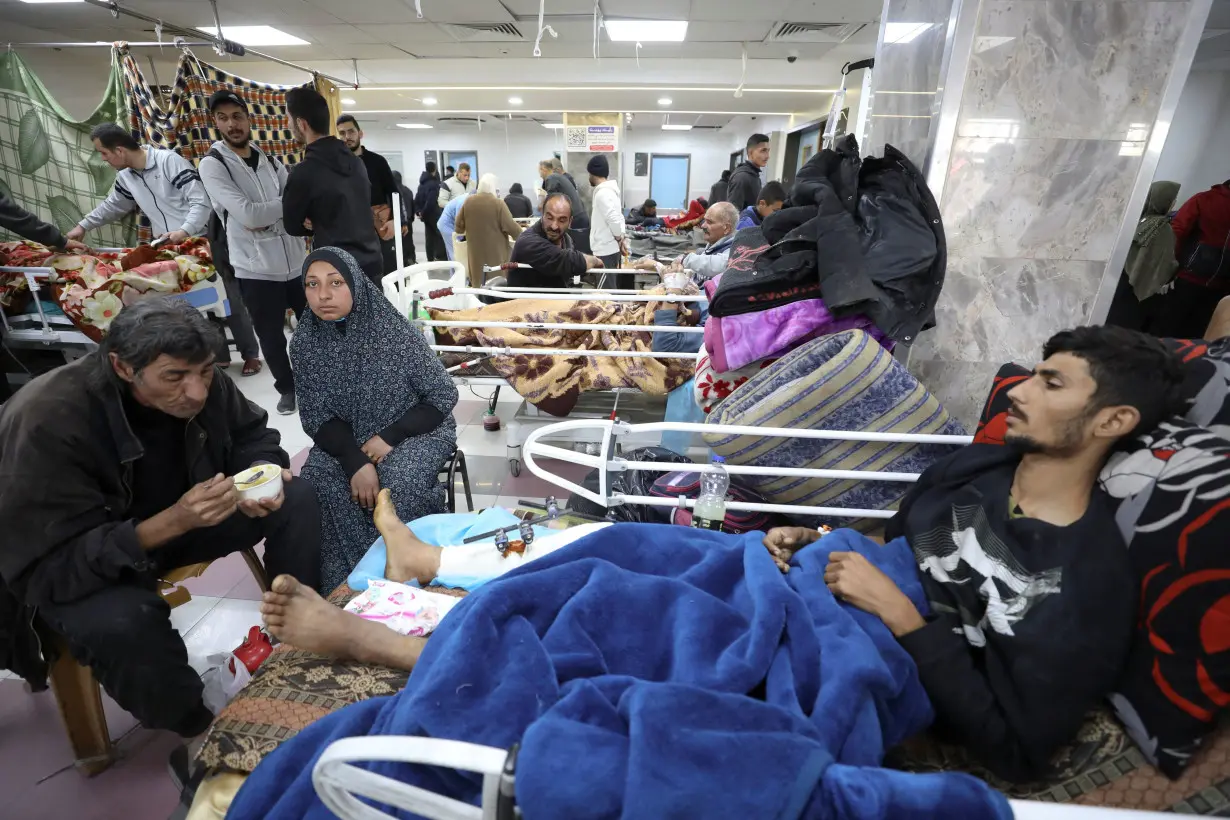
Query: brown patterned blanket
(553,383)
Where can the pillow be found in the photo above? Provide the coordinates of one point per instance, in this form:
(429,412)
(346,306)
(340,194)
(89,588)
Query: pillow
(846,381)
(993,422)
(1174,512)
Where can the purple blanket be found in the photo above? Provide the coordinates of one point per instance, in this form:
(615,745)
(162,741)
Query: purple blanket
(737,341)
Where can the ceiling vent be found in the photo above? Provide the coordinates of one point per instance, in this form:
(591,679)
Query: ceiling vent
(483,32)
(469,122)
(813,32)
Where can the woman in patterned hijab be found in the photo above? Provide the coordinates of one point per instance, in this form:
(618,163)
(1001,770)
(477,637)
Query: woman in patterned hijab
(375,401)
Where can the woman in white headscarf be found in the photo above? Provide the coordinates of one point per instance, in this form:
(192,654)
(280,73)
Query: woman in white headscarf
(376,402)
(488,226)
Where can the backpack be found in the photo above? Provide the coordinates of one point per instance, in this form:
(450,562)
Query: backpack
(215,230)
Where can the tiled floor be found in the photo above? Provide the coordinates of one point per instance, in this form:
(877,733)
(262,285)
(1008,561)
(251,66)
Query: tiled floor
(36,774)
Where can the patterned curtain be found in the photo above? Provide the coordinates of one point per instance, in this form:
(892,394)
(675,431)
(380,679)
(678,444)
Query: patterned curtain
(47,163)
(186,126)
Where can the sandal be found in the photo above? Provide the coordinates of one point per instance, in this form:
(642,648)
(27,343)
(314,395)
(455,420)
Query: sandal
(251,367)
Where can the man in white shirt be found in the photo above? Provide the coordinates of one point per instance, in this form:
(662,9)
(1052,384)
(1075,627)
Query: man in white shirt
(606,226)
(161,183)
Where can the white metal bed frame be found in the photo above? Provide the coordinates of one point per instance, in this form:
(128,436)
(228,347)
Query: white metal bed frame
(337,780)
(408,297)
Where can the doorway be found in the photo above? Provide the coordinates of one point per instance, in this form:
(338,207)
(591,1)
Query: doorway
(669,175)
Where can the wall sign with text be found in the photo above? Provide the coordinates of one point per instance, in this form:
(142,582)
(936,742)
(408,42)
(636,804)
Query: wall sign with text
(594,138)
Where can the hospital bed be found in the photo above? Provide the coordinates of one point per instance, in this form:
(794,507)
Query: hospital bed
(48,328)
(340,783)
(444,285)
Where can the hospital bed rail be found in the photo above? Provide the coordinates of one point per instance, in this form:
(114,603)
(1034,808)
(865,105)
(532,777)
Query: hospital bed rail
(608,462)
(337,781)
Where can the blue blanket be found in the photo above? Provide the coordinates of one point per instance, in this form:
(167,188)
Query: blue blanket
(624,662)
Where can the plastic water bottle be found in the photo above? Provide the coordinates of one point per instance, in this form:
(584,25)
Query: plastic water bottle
(710,509)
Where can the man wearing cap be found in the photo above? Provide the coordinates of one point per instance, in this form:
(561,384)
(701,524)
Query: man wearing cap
(606,227)
(246,186)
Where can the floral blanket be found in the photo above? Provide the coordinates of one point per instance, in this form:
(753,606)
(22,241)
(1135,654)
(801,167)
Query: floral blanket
(553,383)
(92,289)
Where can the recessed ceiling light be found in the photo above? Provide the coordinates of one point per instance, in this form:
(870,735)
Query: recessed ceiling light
(514,100)
(415,125)
(670,126)
(429,101)
(646,31)
(553,125)
(903,32)
(45,2)
(665,101)
(256,35)
(347,101)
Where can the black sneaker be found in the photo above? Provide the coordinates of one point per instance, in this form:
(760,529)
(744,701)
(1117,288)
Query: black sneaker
(286,404)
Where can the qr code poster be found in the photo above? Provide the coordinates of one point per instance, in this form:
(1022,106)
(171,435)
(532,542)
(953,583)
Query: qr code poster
(590,138)
(578,138)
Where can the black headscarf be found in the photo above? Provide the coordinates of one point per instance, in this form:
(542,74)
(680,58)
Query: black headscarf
(368,369)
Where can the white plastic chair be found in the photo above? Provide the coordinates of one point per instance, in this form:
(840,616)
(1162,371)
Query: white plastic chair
(427,276)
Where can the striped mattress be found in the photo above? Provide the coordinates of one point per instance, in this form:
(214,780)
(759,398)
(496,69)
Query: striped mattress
(845,381)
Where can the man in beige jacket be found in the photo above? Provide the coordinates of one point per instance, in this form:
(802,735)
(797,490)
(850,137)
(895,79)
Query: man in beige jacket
(488,226)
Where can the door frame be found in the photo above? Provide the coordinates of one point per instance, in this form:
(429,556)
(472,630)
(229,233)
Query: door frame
(687,183)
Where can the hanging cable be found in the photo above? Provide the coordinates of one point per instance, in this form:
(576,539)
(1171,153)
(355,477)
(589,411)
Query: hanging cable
(638,53)
(418,8)
(743,76)
(542,11)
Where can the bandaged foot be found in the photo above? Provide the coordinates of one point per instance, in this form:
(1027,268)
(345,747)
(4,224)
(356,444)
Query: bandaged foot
(408,558)
(295,614)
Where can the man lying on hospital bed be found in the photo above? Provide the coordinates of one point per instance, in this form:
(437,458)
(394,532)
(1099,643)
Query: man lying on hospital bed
(1031,595)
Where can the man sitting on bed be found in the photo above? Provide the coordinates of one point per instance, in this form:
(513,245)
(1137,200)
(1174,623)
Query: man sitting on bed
(1031,593)
(547,248)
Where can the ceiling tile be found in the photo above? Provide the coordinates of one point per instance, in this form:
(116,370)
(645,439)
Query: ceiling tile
(465,11)
(334,35)
(371,11)
(648,9)
(832,11)
(438,48)
(708,32)
(403,34)
(758,11)
(530,7)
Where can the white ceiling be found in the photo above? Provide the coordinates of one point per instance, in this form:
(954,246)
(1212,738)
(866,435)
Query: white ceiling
(388,45)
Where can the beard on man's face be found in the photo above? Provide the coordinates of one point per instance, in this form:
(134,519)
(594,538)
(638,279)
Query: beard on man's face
(1071,437)
(237,141)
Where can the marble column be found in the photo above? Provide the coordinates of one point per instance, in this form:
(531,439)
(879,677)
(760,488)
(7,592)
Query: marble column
(1042,142)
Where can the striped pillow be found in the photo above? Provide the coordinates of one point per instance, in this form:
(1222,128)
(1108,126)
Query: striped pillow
(845,381)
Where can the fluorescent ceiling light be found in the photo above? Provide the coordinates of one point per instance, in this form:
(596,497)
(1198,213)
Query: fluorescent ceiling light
(416,125)
(664,101)
(555,126)
(646,31)
(514,100)
(347,101)
(429,101)
(670,126)
(256,35)
(903,32)
(47,2)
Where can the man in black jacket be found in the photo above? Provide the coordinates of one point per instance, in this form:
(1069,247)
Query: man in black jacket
(717,191)
(117,468)
(383,186)
(328,196)
(547,248)
(1031,592)
(518,203)
(744,186)
(17,219)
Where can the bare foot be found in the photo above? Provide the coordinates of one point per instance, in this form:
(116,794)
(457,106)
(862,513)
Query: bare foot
(297,615)
(406,556)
